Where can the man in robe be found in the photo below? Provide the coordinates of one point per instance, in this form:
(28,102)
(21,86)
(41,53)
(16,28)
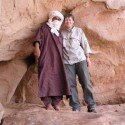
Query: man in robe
(48,48)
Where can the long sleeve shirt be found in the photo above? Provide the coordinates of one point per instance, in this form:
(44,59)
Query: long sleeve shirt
(75,46)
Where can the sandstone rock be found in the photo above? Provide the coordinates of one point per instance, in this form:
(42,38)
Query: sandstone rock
(107,42)
(103,22)
(1,112)
(113,4)
(10,75)
(34,115)
(108,25)
(27,90)
(19,21)
(18,49)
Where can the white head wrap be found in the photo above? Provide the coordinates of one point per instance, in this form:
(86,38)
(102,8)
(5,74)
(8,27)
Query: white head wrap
(56,24)
(57,14)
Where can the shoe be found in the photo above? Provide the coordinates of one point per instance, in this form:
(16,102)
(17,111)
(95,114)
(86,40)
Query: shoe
(49,107)
(92,110)
(76,110)
(56,107)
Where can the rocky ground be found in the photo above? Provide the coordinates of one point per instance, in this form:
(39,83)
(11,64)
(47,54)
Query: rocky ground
(32,114)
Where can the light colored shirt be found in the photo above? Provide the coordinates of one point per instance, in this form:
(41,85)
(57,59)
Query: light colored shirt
(75,46)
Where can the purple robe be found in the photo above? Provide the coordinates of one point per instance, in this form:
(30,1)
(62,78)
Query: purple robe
(51,72)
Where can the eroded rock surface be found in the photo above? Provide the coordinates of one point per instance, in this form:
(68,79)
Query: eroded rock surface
(103,22)
(35,115)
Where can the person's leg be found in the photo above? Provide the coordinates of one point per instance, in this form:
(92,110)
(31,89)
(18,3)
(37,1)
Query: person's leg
(71,75)
(84,79)
(56,101)
(47,102)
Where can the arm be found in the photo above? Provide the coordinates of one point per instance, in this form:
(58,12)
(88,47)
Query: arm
(37,50)
(88,60)
(86,48)
(37,43)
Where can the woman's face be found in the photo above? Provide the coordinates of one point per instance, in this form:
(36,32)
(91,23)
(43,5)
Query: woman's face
(69,22)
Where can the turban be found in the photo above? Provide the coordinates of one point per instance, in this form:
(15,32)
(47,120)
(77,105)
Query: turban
(56,14)
(55,24)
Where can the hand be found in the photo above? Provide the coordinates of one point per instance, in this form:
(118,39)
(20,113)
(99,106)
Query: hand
(88,62)
(37,52)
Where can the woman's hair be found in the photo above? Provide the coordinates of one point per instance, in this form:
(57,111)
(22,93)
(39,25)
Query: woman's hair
(68,16)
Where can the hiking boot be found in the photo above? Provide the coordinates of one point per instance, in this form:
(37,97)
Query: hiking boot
(92,110)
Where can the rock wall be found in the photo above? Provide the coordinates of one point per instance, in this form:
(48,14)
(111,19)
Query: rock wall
(105,30)
(11,73)
(103,22)
(2,111)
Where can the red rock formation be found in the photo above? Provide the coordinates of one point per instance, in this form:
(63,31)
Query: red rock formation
(103,22)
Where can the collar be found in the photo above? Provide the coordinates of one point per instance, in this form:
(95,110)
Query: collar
(53,30)
(70,30)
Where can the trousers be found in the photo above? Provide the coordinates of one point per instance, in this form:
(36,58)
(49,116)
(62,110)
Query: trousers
(81,70)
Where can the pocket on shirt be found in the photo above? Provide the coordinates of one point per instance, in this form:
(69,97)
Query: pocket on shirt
(64,42)
(75,42)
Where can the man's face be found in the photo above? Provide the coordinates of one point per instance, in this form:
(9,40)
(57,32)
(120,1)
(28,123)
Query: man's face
(69,22)
(56,22)
(56,18)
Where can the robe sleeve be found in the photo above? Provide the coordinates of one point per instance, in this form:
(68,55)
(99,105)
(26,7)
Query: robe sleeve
(38,37)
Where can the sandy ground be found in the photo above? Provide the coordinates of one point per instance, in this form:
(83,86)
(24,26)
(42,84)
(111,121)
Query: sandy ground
(32,114)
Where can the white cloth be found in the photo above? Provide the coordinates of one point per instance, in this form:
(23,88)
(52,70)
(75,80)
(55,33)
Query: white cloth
(55,31)
(56,13)
(56,24)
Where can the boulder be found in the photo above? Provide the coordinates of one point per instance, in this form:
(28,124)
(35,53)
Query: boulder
(2,111)
(11,74)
